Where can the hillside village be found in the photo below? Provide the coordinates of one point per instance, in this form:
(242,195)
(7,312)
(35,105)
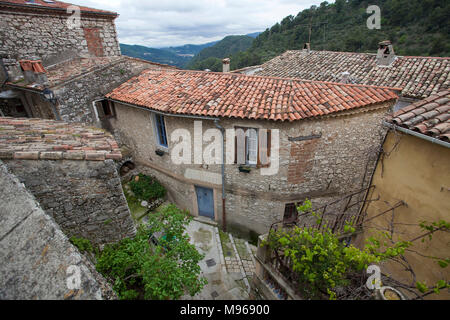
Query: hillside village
(344,144)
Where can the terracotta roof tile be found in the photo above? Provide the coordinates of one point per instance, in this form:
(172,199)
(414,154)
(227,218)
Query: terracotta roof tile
(33,139)
(55,5)
(431,117)
(283,99)
(418,77)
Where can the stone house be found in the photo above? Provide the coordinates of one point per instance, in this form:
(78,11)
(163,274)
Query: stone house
(412,183)
(71,171)
(418,77)
(53,70)
(299,139)
(37,257)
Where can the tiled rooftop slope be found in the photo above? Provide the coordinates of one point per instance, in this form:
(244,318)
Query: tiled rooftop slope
(419,77)
(34,139)
(430,116)
(54,5)
(241,96)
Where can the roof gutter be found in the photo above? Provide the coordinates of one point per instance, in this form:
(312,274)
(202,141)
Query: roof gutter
(417,134)
(164,113)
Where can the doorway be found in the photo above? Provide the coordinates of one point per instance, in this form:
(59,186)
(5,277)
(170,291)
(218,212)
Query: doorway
(205,202)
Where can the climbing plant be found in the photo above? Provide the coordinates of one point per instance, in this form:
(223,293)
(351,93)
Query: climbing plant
(320,262)
(163,269)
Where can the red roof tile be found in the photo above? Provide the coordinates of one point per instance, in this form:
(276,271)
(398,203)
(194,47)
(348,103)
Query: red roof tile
(54,5)
(418,77)
(430,116)
(241,96)
(33,139)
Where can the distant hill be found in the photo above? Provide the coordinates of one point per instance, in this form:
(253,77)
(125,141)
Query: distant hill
(190,49)
(155,55)
(180,56)
(415,27)
(210,58)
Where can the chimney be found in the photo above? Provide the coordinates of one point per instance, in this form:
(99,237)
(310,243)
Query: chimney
(33,71)
(385,54)
(307,47)
(226,65)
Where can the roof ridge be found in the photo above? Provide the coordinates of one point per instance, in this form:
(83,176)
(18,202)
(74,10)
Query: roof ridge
(279,78)
(365,53)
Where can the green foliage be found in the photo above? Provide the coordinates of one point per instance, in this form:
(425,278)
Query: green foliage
(147,188)
(140,269)
(84,245)
(211,57)
(321,261)
(416,27)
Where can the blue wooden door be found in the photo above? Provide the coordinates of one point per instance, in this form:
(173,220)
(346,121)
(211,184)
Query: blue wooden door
(205,201)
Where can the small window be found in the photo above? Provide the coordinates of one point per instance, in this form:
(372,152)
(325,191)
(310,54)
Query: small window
(105,109)
(161,130)
(290,213)
(248,147)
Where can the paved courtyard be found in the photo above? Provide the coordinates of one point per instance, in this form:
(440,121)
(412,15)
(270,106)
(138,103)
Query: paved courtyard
(227,279)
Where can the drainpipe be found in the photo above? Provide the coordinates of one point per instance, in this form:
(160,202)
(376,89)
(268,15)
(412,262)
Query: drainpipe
(417,134)
(224,221)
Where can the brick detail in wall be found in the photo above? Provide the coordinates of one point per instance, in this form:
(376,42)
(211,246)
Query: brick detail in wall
(301,160)
(94,41)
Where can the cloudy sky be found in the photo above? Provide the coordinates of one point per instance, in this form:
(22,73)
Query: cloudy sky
(162,23)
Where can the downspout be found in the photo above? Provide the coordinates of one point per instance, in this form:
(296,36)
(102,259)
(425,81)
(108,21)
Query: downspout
(224,221)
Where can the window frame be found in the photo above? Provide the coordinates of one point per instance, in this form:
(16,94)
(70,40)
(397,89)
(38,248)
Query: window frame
(257,163)
(157,132)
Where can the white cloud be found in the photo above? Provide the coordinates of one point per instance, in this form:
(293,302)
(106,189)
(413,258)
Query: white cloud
(162,23)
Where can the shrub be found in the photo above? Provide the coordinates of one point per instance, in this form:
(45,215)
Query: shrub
(139,269)
(147,188)
(84,245)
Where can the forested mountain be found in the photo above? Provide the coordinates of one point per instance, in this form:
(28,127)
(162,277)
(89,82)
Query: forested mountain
(190,49)
(211,58)
(155,55)
(415,27)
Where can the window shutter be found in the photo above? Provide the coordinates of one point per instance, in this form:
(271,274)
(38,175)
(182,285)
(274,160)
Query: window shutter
(265,150)
(99,107)
(235,149)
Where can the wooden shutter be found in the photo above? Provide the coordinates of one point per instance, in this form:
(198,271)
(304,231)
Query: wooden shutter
(265,150)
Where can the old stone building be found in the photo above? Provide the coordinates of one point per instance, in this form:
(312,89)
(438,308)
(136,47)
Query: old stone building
(53,69)
(71,171)
(322,140)
(417,77)
(36,256)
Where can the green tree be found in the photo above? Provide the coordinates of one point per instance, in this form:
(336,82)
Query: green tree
(140,269)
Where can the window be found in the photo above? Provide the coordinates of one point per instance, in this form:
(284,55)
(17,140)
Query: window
(105,109)
(161,130)
(252,146)
(290,213)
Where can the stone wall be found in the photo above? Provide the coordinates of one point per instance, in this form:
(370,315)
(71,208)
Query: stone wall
(84,197)
(36,254)
(330,156)
(24,35)
(76,96)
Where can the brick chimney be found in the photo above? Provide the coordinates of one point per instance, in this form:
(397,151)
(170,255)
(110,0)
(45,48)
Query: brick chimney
(307,47)
(226,65)
(385,54)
